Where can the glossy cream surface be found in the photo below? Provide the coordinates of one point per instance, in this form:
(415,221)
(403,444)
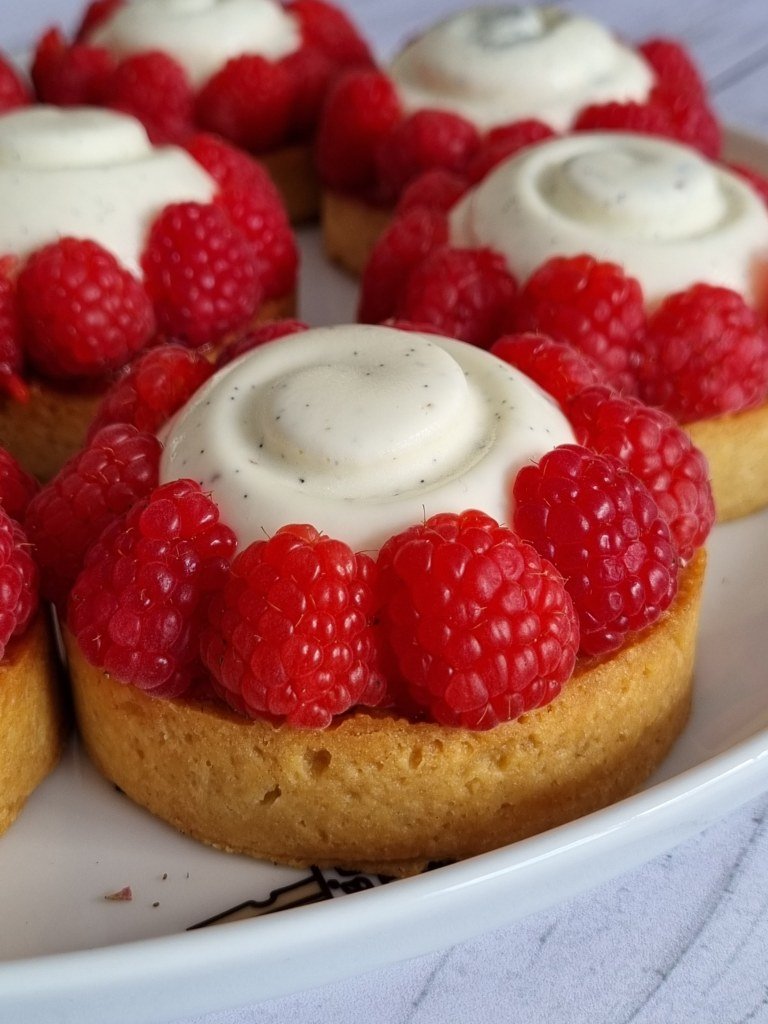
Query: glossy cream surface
(661,210)
(360,431)
(88,173)
(202,35)
(494,65)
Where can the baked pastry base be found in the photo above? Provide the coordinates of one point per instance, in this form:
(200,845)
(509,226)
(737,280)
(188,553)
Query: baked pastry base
(382,794)
(45,431)
(351,228)
(292,168)
(32,722)
(736,447)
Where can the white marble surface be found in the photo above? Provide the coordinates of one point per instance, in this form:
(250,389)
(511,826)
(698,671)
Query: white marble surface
(684,938)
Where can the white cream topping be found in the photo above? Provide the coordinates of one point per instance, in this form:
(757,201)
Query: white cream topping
(88,173)
(361,431)
(494,65)
(202,35)
(667,215)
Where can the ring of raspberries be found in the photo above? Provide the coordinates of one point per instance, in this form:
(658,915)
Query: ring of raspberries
(71,313)
(458,620)
(369,148)
(155,88)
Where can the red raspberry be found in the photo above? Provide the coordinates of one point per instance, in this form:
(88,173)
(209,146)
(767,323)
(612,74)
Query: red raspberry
(705,353)
(260,215)
(310,72)
(97,12)
(675,69)
(653,447)
(11,354)
(437,190)
(248,101)
(693,122)
(154,387)
(464,293)
(91,490)
(758,181)
(410,237)
(600,527)
(153,88)
(560,369)
(200,273)
(290,635)
(18,581)
(13,91)
(362,109)
(503,142)
(138,605)
(83,313)
(424,141)
(229,167)
(70,75)
(481,627)
(258,336)
(327,28)
(674,117)
(591,305)
(17,487)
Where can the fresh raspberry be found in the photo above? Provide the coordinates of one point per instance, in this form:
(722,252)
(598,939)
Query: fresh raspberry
(675,69)
(693,122)
(503,142)
(13,91)
(425,141)
(759,182)
(153,88)
(152,389)
(17,487)
(705,354)
(310,72)
(200,273)
(248,101)
(83,313)
(653,447)
(261,217)
(97,12)
(410,237)
(230,168)
(11,352)
(481,627)
(600,527)
(258,336)
(327,28)
(138,605)
(18,581)
(361,110)
(464,293)
(591,305)
(437,190)
(560,369)
(70,75)
(290,635)
(93,488)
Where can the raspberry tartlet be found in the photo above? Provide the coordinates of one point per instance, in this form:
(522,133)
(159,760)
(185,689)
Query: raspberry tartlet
(32,720)
(254,72)
(299,630)
(110,246)
(483,84)
(636,251)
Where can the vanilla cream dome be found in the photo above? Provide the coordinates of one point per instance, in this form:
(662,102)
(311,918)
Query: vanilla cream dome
(202,35)
(494,65)
(361,431)
(662,211)
(88,173)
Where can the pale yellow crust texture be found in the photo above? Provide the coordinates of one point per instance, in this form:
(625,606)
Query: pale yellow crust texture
(45,431)
(351,227)
(292,168)
(32,720)
(380,793)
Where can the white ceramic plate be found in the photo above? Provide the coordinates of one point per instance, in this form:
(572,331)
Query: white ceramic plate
(69,955)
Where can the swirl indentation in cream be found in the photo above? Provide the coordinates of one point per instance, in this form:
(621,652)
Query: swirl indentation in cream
(494,65)
(202,35)
(657,208)
(360,431)
(88,173)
